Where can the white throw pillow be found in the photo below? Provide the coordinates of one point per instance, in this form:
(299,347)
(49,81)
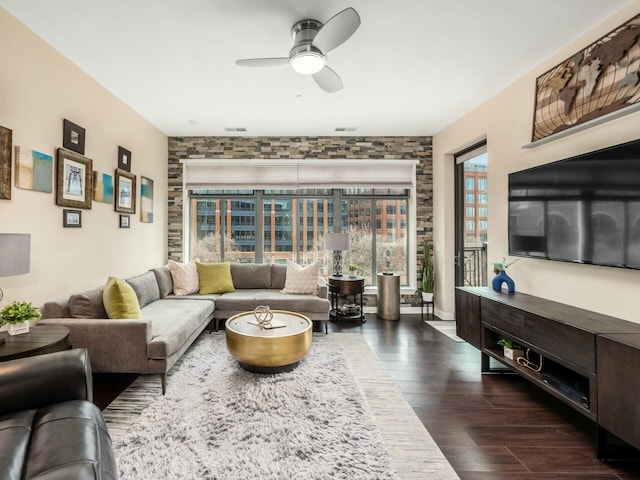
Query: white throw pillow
(185,277)
(301,280)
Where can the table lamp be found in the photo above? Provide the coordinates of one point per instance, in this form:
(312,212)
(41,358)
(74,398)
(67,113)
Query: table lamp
(338,242)
(15,255)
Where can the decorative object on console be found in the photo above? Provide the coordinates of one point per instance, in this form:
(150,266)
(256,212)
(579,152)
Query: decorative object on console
(5,163)
(338,242)
(102,187)
(34,170)
(499,268)
(15,255)
(72,218)
(74,182)
(125,201)
(600,80)
(124,159)
(511,350)
(18,315)
(146,200)
(73,137)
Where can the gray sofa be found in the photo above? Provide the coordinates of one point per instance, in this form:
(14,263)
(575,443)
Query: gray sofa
(171,323)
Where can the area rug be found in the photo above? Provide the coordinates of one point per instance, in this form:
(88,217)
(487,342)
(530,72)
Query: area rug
(218,421)
(447,327)
(414,454)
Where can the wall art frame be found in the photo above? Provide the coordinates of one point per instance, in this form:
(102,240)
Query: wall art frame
(599,80)
(73,136)
(74,179)
(125,191)
(146,200)
(124,159)
(6,148)
(71,218)
(33,170)
(125,221)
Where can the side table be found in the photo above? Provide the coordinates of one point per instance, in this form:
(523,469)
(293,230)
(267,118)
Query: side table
(349,288)
(40,339)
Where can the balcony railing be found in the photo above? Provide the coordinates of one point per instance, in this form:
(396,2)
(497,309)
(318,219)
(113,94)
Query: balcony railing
(475,266)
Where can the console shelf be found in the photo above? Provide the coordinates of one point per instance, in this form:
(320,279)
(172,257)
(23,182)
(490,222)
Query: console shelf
(570,343)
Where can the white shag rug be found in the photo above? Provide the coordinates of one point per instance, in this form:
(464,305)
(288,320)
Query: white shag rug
(220,422)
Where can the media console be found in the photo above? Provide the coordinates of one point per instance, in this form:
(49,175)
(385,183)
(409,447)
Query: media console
(587,359)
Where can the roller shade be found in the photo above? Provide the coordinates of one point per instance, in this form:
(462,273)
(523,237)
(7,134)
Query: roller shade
(292,174)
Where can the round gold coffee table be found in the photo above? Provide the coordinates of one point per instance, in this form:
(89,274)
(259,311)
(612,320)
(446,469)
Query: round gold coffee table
(274,350)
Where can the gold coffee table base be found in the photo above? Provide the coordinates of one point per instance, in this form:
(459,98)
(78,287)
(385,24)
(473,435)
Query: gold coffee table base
(269,350)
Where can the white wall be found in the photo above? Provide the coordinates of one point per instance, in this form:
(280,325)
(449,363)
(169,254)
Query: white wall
(38,89)
(506,121)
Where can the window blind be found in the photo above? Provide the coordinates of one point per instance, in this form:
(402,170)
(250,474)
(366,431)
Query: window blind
(292,174)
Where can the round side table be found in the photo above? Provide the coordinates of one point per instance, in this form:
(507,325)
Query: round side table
(40,339)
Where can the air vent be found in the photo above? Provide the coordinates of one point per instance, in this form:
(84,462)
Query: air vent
(235,129)
(345,129)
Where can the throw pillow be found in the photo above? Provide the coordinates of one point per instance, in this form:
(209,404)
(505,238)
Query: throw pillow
(120,300)
(215,278)
(185,277)
(301,280)
(88,304)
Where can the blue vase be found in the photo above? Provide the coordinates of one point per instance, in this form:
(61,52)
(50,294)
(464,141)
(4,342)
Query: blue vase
(501,278)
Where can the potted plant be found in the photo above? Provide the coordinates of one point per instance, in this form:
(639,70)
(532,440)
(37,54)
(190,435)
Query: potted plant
(427,274)
(353,269)
(511,349)
(18,315)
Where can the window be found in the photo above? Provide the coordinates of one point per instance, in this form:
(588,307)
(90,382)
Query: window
(470,211)
(482,198)
(482,225)
(470,198)
(271,226)
(482,184)
(482,211)
(470,225)
(469,183)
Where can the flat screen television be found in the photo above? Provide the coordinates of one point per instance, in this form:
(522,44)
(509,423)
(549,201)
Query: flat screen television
(583,209)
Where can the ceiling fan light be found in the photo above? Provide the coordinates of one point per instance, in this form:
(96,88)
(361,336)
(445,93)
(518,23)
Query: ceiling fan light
(308,62)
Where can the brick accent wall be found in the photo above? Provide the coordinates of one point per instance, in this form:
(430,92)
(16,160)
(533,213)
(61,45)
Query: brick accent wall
(419,148)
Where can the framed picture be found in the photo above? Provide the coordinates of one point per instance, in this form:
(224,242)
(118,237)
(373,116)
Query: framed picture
(124,221)
(71,218)
(124,159)
(125,192)
(73,137)
(5,163)
(102,187)
(146,200)
(34,170)
(74,182)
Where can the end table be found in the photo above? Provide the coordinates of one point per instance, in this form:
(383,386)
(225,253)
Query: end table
(349,288)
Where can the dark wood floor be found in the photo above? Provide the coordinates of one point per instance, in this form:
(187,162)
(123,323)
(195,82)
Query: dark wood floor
(490,427)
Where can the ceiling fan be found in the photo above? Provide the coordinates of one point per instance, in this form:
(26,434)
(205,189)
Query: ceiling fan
(312,40)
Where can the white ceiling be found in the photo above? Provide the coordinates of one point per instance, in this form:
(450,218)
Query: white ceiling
(412,68)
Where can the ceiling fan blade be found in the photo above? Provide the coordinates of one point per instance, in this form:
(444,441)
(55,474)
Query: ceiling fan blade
(337,30)
(328,80)
(263,62)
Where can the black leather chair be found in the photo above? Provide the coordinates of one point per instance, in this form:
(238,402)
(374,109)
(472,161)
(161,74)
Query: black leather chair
(49,427)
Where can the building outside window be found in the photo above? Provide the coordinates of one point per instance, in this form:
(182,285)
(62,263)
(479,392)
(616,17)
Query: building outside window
(271,226)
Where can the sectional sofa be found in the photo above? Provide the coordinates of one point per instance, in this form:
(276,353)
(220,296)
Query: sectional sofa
(169,323)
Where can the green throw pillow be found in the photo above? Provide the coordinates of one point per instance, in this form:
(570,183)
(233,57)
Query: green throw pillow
(120,300)
(215,277)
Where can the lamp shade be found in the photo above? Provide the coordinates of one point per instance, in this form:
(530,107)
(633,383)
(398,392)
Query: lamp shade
(15,254)
(338,241)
